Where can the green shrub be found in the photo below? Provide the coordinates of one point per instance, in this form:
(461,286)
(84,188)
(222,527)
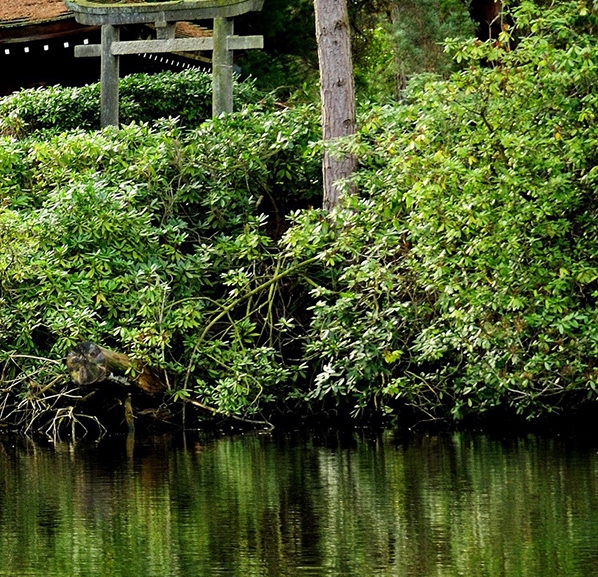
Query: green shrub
(465,278)
(143,98)
(460,279)
(136,238)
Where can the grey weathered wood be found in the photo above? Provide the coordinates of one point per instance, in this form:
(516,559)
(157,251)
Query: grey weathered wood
(88,50)
(175,45)
(90,364)
(159,46)
(109,77)
(244,42)
(165,30)
(90,13)
(222,68)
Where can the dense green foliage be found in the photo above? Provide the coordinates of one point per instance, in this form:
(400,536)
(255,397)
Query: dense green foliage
(395,40)
(143,98)
(461,278)
(128,238)
(289,59)
(467,271)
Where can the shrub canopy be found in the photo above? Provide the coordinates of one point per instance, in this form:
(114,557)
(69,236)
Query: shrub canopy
(460,279)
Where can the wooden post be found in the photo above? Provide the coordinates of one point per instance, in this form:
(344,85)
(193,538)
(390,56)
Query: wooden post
(222,68)
(129,415)
(109,77)
(165,30)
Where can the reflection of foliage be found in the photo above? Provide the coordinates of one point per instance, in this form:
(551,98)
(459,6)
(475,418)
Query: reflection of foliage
(334,505)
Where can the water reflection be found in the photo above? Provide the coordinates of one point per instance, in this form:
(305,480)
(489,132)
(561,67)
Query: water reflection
(291,506)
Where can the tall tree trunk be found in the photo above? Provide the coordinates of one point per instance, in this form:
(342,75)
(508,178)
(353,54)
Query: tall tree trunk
(337,89)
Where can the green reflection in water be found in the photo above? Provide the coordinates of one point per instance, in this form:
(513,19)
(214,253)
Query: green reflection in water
(301,506)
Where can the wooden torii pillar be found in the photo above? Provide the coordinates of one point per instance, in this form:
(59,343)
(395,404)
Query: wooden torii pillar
(165,15)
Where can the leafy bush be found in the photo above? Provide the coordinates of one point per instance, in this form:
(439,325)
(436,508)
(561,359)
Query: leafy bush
(404,38)
(135,238)
(143,98)
(461,278)
(465,278)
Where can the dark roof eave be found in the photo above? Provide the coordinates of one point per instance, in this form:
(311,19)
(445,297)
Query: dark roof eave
(43,30)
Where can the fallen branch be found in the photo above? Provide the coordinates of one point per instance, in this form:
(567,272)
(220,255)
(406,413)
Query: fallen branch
(235,417)
(89,363)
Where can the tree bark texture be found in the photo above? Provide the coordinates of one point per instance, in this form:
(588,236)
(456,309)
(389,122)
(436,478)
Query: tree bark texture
(337,90)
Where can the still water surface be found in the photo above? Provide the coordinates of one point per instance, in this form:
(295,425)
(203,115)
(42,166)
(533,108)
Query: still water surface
(297,505)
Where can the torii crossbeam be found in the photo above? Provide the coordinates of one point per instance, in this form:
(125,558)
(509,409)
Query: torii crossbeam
(164,15)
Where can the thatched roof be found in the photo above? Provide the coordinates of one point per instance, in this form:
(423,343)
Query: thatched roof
(27,20)
(24,12)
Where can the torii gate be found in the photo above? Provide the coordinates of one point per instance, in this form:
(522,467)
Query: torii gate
(164,14)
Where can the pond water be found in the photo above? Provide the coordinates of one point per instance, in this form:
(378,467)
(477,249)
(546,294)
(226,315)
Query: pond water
(351,504)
